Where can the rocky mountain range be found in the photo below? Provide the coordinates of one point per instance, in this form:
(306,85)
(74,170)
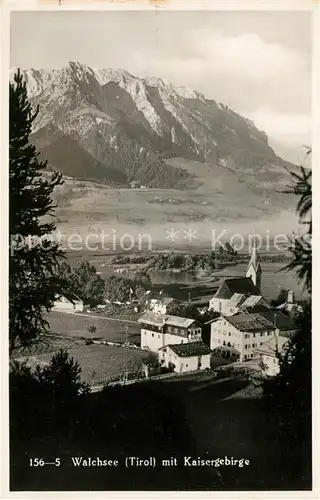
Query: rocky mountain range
(110,126)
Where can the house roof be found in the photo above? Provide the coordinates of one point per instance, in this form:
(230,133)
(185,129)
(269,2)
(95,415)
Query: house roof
(259,308)
(160,320)
(251,301)
(236,300)
(279,319)
(179,321)
(231,286)
(190,349)
(167,301)
(250,322)
(272,346)
(152,319)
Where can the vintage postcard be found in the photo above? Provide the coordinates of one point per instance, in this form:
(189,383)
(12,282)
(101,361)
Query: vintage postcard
(160,199)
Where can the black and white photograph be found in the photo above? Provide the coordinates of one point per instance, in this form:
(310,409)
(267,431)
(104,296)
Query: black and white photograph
(160,262)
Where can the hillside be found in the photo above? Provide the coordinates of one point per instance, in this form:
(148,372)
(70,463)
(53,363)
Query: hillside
(113,127)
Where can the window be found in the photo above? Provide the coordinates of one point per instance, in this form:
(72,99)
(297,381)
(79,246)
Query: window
(153,335)
(158,336)
(246,346)
(186,366)
(261,343)
(224,342)
(247,336)
(176,330)
(254,335)
(261,334)
(252,355)
(169,328)
(229,334)
(254,345)
(245,356)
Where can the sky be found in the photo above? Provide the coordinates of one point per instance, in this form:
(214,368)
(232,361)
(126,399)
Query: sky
(256,63)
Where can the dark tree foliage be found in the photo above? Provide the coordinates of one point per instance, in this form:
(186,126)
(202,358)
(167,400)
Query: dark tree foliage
(34,259)
(49,397)
(288,395)
(84,281)
(63,374)
(117,289)
(281,299)
(301,247)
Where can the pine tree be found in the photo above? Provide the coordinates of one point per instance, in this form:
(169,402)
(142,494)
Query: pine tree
(288,395)
(34,259)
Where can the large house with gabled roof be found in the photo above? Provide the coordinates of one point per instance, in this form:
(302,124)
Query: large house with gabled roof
(235,294)
(239,294)
(268,353)
(186,357)
(159,330)
(241,333)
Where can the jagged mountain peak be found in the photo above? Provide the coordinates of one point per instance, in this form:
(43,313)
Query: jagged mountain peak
(102,108)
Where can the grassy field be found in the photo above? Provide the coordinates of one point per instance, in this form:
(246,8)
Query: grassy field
(76,325)
(107,361)
(218,199)
(68,331)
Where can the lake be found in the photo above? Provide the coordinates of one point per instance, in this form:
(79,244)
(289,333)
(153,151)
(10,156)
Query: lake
(190,285)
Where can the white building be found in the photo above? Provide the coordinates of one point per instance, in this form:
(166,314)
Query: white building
(236,294)
(268,354)
(185,357)
(290,306)
(68,302)
(242,332)
(162,306)
(158,331)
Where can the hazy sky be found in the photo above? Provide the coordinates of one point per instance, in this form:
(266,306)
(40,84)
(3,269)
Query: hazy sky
(257,63)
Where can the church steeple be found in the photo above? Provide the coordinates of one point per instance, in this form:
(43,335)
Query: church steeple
(254,269)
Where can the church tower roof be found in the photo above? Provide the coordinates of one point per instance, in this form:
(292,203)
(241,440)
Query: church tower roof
(254,260)
(254,269)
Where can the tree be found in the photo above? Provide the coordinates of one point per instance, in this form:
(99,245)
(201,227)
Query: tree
(48,399)
(143,279)
(92,329)
(288,395)
(84,281)
(117,289)
(281,298)
(34,258)
(89,285)
(64,374)
(301,247)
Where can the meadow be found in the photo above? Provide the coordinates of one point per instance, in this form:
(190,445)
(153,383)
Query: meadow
(77,325)
(101,362)
(217,199)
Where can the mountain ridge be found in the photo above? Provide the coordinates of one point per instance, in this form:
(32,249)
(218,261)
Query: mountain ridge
(132,125)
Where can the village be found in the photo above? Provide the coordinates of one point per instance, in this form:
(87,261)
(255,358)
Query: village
(237,332)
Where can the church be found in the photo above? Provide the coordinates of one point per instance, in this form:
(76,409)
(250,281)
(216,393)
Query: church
(238,294)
